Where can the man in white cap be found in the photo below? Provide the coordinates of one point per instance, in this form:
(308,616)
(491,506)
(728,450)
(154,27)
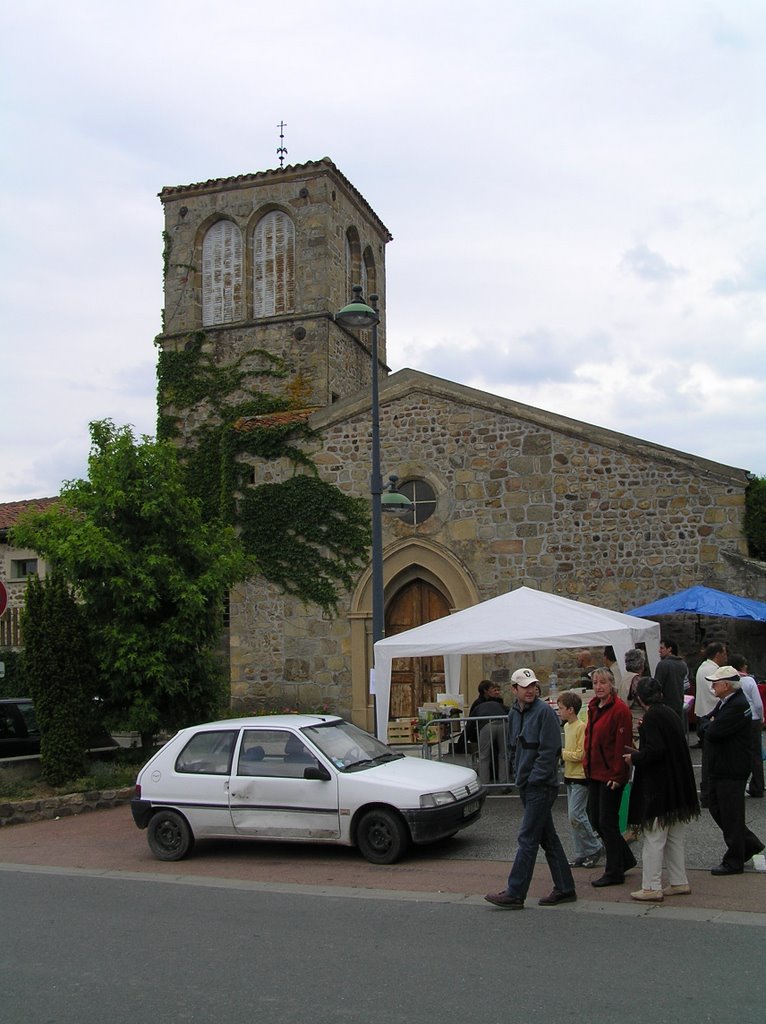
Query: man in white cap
(727,752)
(535,741)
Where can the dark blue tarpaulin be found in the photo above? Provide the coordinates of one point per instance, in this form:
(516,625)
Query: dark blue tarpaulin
(704,601)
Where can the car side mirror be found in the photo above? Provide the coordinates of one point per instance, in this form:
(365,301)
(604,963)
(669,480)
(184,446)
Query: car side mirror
(318,773)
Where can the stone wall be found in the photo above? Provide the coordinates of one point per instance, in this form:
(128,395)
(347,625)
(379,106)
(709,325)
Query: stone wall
(21,811)
(523,498)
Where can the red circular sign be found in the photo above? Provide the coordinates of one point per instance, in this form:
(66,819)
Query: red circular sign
(3,598)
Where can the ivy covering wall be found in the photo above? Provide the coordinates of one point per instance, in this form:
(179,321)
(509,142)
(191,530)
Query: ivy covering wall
(306,535)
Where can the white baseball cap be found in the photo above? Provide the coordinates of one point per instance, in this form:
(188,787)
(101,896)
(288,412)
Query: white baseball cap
(524,677)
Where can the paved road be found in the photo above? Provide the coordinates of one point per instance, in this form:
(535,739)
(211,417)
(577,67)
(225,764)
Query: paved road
(100,929)
(467,866)
(83,950)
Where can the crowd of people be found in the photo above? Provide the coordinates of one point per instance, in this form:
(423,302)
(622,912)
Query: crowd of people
(630,755)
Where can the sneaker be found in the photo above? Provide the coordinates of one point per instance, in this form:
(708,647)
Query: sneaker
(591,862)
(579,863)
(677,890)
(504,900)
(648,895)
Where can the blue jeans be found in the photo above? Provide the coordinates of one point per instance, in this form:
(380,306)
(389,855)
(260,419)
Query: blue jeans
(537,829)
(586,842)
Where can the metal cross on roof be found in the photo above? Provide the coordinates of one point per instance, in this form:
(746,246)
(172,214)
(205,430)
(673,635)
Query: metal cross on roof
(282,149)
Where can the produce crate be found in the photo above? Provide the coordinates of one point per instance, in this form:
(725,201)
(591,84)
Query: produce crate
(434,732)
(401,731)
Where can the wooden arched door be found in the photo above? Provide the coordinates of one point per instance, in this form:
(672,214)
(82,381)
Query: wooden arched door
(415,681)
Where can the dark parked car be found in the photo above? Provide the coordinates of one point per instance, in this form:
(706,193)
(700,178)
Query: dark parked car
(20,733)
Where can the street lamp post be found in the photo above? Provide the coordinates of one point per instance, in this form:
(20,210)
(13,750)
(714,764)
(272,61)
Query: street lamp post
(360,316)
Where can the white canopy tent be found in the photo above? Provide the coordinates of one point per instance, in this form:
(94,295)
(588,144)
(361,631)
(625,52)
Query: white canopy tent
(522,620)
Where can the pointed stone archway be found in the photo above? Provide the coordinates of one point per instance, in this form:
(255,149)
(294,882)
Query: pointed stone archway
(421,580)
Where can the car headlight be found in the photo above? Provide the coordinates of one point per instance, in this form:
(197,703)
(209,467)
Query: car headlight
(437,799)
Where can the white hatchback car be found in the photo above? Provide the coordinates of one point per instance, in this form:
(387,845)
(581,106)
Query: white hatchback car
(298,778)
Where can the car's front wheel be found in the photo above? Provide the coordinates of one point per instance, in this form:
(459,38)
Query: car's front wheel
(169,835)
(382,836)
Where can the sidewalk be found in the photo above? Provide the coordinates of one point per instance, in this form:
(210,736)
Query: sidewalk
(106,842)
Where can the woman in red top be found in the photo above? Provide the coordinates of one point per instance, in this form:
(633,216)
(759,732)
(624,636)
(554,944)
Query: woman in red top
(607,734)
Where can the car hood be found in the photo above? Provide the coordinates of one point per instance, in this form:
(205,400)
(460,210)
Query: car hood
(417,775)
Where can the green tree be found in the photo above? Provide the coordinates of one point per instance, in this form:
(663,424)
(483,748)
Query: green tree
(59,675)
(151,576)
(755,517)
(12,684)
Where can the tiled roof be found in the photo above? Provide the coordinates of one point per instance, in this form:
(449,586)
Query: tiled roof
(273,419)
(216,184)
(11,510)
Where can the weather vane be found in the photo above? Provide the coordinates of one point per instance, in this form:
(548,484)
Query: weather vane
(282,149)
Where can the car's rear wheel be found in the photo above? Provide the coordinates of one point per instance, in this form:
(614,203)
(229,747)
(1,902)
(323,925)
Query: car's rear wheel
(169,836)
(382,836)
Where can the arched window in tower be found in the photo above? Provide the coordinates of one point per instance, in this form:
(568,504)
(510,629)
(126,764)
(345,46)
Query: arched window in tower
(222,274)
(369,278)
(274,265)
(353,262)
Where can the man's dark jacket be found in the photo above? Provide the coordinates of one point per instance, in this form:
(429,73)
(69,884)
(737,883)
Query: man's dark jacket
(672,673)
(727,738)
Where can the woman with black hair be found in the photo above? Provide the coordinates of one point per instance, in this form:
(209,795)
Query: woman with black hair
(663,797)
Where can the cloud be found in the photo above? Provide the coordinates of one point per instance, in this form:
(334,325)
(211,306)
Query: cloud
(750,278)
(649,266)
(510,165)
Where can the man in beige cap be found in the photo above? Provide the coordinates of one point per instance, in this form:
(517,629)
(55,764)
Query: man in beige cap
(727,754)
(535,741)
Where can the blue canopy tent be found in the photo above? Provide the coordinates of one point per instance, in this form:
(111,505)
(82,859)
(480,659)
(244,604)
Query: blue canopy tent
(704,601)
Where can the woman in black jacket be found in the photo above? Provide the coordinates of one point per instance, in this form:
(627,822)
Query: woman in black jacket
(663,797)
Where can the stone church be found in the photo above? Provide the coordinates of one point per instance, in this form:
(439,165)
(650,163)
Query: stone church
(503,494)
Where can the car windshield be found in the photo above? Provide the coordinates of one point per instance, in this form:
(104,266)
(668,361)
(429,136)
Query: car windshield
(349,748)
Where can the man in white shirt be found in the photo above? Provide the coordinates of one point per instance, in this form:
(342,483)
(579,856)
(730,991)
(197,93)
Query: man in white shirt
(750,690)
(704,702)
(704,699)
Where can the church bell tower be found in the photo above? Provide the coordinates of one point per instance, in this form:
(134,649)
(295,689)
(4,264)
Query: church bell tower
(260,263)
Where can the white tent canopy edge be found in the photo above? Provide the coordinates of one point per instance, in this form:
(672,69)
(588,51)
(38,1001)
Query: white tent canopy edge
(521,620)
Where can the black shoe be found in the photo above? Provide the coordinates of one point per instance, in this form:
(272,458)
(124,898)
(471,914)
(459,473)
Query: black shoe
(628,864)
(555,897)
(604,880)
(755,796)
(749,854)
(504,900)
(724,869)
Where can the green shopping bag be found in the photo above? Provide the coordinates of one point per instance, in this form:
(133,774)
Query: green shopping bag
(624,807)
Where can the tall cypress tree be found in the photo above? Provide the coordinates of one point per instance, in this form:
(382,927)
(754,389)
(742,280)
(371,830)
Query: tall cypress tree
(58,675)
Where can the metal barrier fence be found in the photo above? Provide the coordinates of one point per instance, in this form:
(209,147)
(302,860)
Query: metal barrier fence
(10,628)
(479,743)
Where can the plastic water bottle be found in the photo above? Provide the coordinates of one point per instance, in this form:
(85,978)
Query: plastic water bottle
(553,686)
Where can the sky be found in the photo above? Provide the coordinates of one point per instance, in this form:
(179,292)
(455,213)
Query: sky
(576,191)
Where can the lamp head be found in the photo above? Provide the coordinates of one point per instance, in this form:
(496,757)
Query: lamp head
(392,501)
(357,314)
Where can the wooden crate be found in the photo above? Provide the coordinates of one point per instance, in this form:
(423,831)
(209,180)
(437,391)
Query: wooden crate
(401,731)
